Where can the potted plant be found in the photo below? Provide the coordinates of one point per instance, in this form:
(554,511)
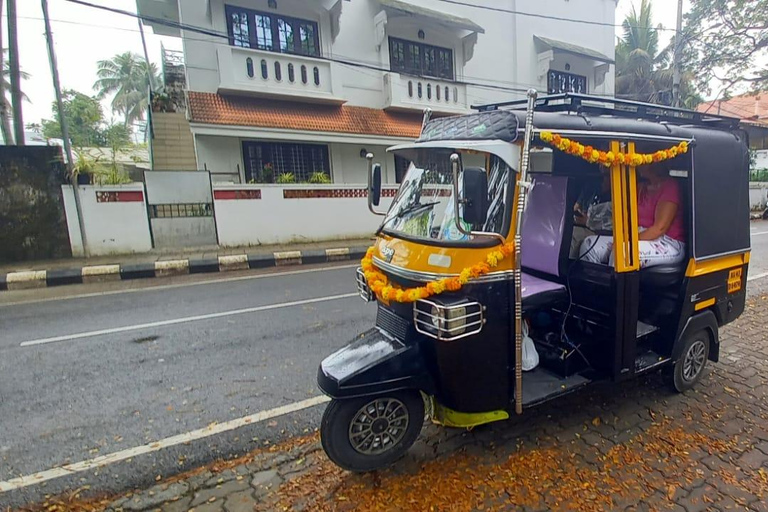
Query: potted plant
(319,178)
(286,177)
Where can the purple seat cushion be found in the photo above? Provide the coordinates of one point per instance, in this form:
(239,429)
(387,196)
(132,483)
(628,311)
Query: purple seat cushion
(536,286)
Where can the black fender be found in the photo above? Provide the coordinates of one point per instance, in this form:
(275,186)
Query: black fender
(372,364)
(704,320)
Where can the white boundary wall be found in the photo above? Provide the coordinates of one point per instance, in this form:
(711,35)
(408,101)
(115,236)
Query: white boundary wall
(271,214)
(115,219)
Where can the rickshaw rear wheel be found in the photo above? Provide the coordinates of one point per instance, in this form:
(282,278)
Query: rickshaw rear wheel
(689,367)
(369,433)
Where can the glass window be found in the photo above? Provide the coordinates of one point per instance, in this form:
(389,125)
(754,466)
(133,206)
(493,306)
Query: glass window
(285,36)
(424,205)
(560,81)
(263,32)
(270,32)
(238,29)
(277,162)
(308,37)
(420,59)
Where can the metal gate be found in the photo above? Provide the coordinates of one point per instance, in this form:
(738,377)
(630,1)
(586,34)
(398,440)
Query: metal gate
(180,207)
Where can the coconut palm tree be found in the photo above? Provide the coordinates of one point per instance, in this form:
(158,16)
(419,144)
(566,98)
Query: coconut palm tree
(128,77)
(7,107)
(639,64)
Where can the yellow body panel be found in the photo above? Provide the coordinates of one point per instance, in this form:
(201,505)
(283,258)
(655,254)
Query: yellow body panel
(416,256)
(704,304)
(447,417)
(624,199)
(700,268)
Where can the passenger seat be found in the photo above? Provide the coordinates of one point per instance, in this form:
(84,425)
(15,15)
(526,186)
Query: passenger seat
(544,224)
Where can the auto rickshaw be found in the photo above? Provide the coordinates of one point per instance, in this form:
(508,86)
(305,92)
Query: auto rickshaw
(473,260)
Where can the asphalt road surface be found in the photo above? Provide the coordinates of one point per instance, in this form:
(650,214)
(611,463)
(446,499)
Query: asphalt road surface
(119,369)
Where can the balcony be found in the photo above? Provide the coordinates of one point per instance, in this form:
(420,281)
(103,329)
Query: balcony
(405,92)
(278,75)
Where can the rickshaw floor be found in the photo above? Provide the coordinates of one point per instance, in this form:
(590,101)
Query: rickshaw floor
(541,384)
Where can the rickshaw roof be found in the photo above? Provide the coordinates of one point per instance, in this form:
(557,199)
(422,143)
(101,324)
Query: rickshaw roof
(589,116)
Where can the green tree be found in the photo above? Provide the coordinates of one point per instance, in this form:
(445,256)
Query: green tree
(127,76)
(643,70)
(84,119)
(6,108)
(729,42)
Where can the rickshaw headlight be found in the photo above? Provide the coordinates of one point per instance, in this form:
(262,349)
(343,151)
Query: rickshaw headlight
(448,322)
(436,317)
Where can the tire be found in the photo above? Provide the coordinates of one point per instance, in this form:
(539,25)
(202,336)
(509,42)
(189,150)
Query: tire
(342,431)
(689,367)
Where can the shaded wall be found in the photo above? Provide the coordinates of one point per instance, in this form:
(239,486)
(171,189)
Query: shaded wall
(32,222)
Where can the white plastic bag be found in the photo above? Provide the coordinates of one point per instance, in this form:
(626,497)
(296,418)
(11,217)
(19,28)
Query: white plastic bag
(530,356)
(600,217)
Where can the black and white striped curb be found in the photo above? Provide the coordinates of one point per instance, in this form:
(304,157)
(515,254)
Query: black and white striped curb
(100,273)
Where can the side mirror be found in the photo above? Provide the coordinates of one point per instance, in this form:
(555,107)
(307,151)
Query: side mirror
(375,191)
(475,184)
(475,195)
(374,184)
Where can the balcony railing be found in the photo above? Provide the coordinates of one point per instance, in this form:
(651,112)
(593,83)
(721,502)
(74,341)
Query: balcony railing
(413,93)
(277,75)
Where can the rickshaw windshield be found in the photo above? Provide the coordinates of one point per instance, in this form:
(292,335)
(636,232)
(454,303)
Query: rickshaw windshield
(424,206)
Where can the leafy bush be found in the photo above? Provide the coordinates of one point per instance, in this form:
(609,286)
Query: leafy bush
(319,178)
(286,177)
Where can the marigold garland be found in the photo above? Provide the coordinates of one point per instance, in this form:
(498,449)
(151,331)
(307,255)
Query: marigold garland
(608,158)
(379,283)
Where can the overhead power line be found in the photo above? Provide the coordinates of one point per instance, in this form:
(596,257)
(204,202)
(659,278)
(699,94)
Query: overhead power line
(546,16)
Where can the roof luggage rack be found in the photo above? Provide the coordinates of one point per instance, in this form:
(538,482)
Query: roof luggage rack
(603,105)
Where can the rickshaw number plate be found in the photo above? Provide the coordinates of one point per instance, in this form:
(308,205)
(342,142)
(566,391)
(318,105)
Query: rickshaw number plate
(734,280)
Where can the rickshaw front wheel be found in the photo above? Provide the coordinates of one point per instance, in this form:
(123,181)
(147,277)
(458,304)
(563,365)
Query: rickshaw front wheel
(689,367)
(369,433)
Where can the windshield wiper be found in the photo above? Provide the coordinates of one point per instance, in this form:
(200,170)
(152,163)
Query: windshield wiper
(415,208)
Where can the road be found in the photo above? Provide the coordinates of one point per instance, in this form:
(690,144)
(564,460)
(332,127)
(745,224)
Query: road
(99,369)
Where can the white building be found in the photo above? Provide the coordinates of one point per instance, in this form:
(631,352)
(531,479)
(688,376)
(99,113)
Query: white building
(291,88)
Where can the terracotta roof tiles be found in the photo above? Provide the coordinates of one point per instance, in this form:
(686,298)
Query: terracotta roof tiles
(212,108)
(748,107)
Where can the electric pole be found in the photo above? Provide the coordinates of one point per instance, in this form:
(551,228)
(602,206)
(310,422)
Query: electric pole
(13,57)
(63,120)
(678,52)
(5,124)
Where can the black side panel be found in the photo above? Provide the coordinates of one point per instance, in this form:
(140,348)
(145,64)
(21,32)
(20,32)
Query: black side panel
(720,193)
(371,364)
(627,298)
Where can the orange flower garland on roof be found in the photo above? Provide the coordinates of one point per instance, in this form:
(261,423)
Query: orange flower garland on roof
(379,283)
(608,158)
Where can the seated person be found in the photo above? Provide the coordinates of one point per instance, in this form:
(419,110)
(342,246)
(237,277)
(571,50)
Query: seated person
(662,237)
(590,211)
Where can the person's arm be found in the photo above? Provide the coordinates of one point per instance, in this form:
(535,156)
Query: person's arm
(662,220)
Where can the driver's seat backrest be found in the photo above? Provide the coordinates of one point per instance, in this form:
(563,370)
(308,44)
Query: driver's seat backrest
(544,224)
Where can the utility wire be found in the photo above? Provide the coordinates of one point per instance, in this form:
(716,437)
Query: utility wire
(547,16)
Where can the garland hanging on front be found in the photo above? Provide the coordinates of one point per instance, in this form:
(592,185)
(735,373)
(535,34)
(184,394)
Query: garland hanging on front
(608,158)
(379,283)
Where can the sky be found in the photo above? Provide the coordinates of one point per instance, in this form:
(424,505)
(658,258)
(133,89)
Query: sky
(84,35)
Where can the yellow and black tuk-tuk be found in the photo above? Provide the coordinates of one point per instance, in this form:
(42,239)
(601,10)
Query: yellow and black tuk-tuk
(473,269)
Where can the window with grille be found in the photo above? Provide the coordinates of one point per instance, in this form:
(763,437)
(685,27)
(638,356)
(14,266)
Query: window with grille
(420,59)
(272,32)
(401,167)
(560,81)
(282,162)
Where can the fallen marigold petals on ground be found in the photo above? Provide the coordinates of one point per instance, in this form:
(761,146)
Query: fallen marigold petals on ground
(538,477)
